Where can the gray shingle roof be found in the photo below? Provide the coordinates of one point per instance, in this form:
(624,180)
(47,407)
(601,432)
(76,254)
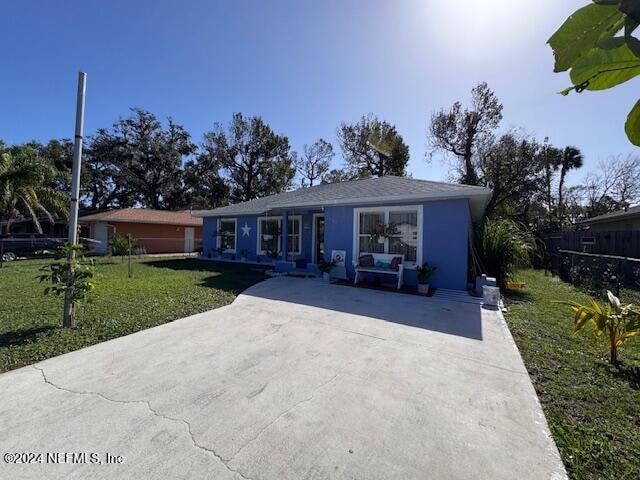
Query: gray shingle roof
(366,191)
(618,214)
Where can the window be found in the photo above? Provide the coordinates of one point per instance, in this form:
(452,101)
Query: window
(369,221)
(227,234)
(293,235)
(270,235)
(407,222)
(405,241)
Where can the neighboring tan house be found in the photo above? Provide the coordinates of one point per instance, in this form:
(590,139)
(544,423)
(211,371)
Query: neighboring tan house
(620,220)
(432,222)
(156,231)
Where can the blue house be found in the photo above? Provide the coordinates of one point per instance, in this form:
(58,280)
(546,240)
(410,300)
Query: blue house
(418,220)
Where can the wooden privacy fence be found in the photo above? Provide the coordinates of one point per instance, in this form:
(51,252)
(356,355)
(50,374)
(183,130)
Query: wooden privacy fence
(620,243)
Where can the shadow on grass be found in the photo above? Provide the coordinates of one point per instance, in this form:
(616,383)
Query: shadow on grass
(21,337)
(627,373)
(518,296)
(229,277)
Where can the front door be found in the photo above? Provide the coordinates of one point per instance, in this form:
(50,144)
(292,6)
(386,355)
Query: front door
(319,239)
(188,239)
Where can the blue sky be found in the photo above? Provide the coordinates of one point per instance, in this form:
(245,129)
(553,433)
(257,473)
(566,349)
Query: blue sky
(304,66)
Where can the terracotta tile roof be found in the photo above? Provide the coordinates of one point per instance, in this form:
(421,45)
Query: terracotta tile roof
(144,215)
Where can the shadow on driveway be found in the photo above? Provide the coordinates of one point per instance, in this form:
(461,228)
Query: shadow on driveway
(445,316)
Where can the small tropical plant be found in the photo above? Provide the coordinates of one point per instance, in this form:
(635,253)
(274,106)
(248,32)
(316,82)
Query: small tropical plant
(504,246)
(612,320)
(424,272)
(326,266)
(70,258)
(119,245)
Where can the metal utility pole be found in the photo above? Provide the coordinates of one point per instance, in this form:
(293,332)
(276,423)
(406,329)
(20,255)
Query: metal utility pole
(68,319)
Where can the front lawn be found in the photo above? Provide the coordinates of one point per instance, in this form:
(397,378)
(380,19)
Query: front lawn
(593,409)
(161,290)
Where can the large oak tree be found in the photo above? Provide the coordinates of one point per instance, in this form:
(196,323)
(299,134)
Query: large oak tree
(255,160)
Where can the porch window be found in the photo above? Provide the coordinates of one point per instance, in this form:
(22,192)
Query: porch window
(293,236)
(406,240)
(269,235)
(227,234)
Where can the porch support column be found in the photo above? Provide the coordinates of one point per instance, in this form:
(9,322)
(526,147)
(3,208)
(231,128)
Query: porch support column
(285,236)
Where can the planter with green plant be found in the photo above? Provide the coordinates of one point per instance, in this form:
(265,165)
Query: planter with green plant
(325,268)
(424,273)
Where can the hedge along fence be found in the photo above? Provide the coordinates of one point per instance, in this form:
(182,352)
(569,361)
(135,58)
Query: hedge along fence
(596,273)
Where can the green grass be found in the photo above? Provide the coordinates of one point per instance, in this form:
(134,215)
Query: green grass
(161,290)
(593,409)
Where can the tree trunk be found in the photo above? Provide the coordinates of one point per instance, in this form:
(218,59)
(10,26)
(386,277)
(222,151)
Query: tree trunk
(560,200)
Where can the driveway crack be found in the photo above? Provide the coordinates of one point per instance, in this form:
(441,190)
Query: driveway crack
(153,411)
(282,414)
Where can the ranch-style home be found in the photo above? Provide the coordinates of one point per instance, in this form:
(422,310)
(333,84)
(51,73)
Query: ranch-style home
(395,223)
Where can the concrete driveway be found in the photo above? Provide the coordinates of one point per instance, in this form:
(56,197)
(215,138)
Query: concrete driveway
(295,380)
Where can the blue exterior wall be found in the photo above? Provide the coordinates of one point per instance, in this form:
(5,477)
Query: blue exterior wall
(209,240)
(445,240)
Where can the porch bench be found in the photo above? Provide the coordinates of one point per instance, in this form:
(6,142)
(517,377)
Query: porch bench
(380,257)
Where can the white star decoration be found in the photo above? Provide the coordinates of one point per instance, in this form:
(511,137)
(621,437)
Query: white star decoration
(245,230)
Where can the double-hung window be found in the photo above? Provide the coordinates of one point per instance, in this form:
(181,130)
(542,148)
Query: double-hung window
(294,236)
(389,230)
(227,234)
(270,235)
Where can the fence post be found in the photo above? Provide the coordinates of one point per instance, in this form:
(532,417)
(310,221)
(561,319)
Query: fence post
(129,250)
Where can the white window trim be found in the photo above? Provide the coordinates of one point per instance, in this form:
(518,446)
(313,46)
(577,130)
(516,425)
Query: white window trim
(297,218)
(386,209)
(235,234)
(314,240)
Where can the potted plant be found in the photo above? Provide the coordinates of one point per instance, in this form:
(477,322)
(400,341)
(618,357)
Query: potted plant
(424,273)
(326,267)
(243,254)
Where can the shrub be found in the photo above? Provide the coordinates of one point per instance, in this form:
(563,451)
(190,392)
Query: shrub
(119,245)
(504,246)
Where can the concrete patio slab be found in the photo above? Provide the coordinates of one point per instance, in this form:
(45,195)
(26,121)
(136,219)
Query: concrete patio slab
(296,379)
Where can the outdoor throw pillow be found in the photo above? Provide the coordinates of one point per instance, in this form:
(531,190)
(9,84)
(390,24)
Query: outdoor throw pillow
(381,264)
(365,260)
(395,263)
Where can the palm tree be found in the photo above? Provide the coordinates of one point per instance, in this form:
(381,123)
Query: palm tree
(25,189)
(571,159)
